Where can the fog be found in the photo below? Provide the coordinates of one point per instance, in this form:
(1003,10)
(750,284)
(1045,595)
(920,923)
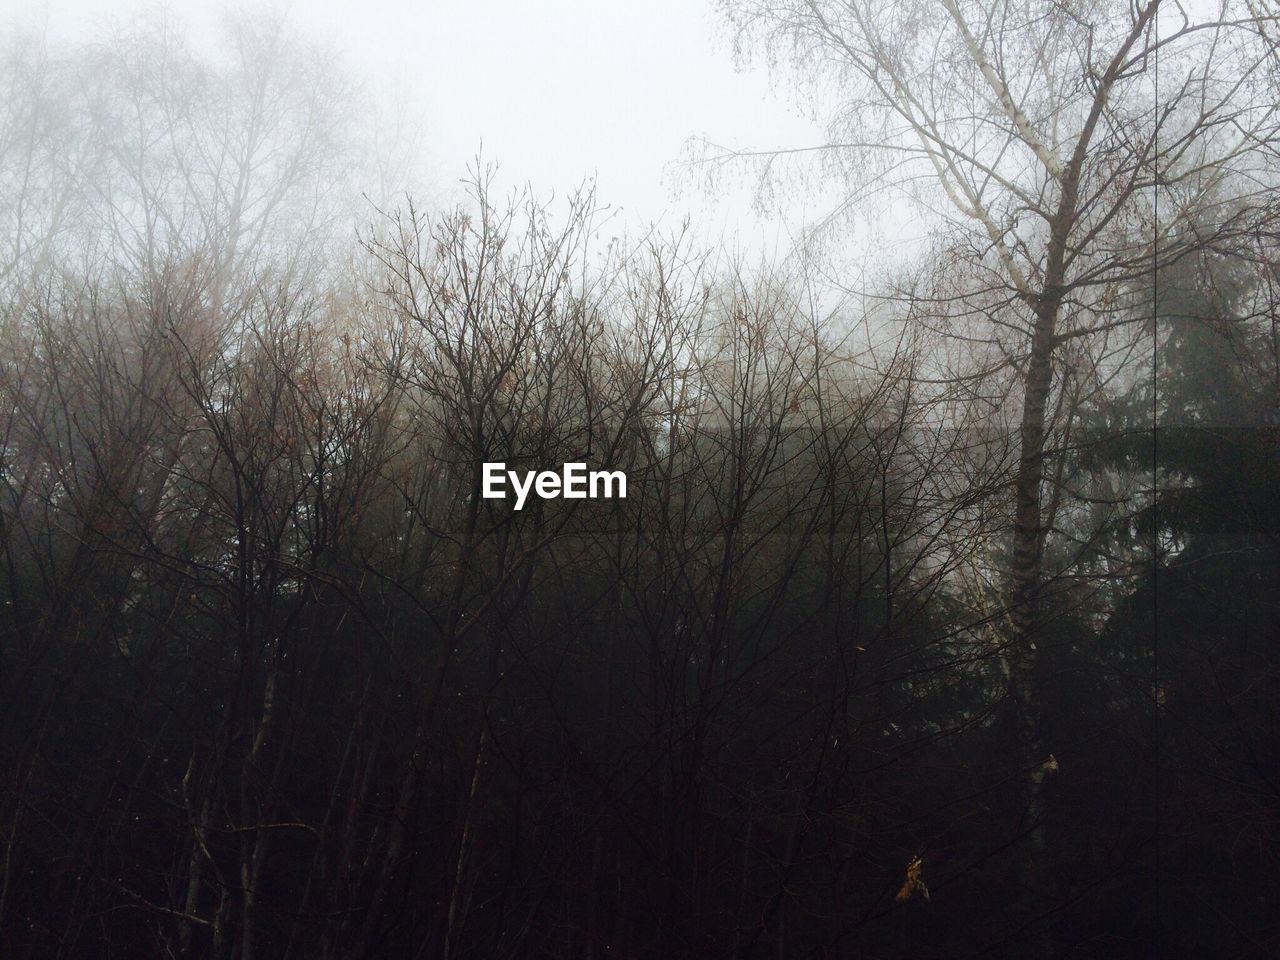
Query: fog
(555,92)
(570,481)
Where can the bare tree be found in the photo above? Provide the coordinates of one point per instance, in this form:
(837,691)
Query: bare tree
(1066,152)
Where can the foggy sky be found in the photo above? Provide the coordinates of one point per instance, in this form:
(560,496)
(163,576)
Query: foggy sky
(556,90)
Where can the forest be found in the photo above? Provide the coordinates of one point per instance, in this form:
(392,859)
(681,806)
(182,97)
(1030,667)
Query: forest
(941,615)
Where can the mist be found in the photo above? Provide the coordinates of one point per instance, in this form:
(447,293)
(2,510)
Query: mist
(888,397)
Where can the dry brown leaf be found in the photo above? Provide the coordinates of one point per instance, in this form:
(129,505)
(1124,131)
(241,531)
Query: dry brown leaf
(913,883)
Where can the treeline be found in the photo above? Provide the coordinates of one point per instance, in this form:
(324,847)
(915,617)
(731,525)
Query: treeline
(307,691)
(277,682)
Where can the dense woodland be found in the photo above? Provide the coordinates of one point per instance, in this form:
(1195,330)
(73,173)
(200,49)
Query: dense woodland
(941,619)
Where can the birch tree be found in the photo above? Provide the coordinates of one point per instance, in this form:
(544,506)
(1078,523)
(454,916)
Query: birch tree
(1061,152)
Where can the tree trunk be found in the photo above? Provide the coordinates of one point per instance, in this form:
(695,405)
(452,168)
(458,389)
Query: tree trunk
(1026,581)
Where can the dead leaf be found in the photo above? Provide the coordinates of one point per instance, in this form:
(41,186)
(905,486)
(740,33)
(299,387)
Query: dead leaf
(913,883)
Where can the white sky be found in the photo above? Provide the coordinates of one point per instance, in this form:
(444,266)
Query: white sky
(557,90)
